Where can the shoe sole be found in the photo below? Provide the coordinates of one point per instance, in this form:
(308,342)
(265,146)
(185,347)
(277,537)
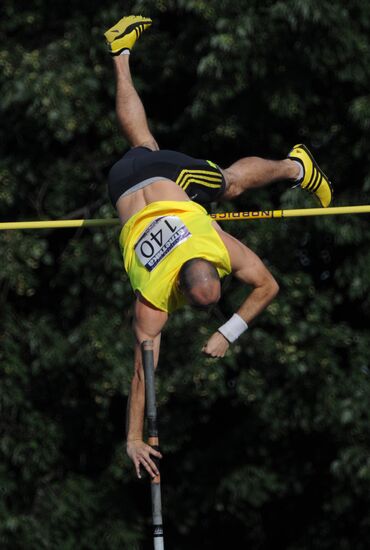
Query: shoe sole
(128,30)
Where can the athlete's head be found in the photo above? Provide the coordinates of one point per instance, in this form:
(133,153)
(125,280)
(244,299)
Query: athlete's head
(199,282)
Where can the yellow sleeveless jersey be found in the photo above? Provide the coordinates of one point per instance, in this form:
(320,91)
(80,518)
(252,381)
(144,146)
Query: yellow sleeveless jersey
(159,239)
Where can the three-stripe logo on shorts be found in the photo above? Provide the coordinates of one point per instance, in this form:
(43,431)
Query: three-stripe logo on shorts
(206,178)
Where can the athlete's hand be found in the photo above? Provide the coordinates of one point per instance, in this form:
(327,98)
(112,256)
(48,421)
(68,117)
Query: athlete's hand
(140,454)
(216,346)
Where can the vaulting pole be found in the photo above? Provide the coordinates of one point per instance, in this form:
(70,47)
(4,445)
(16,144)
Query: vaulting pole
(221,216)
(153,440)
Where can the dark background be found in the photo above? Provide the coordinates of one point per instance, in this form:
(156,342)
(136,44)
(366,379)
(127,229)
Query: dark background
(268,447)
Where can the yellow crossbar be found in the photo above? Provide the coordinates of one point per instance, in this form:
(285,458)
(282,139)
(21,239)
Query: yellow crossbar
(58,224)
(292,213)
(222,216)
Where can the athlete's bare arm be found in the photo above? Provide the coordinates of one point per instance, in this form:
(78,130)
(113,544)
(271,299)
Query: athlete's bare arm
(248,268)
(148,324)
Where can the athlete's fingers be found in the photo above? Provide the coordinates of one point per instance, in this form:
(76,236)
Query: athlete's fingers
(216,346)
(152,464)
(154,452)
(137,468)
(145,459)
(149,466)
(211,352)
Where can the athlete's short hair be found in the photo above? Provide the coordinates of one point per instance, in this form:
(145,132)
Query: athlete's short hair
(198,273)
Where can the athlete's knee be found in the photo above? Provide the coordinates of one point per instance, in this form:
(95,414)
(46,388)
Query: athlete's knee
(232,187)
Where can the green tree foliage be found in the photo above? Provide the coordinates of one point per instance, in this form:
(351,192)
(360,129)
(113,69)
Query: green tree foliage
(271,444)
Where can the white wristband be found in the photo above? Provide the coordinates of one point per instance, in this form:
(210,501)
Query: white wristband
(233,328)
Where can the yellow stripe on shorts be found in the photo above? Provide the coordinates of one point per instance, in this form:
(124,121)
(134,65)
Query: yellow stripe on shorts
(205,178)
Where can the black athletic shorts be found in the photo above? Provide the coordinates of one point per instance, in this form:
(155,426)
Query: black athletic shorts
(202,180)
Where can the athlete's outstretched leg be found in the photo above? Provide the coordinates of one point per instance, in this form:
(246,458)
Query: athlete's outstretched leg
(131,115)
(252,172)
(299,167)
(130,110)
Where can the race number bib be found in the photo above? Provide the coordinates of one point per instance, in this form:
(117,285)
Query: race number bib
(159,239)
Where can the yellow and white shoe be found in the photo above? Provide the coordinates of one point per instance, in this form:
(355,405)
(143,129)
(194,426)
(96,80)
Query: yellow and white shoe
(125,33)
(314,180)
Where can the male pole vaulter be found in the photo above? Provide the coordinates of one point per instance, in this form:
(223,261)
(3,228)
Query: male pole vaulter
(173,252)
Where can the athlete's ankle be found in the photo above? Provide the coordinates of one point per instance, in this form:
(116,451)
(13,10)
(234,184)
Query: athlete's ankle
(123,59)
(122,66)
(295,170)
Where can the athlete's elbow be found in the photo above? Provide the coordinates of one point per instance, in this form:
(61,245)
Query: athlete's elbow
(273,288)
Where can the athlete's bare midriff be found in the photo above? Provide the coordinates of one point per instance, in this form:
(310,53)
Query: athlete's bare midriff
(162,190)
